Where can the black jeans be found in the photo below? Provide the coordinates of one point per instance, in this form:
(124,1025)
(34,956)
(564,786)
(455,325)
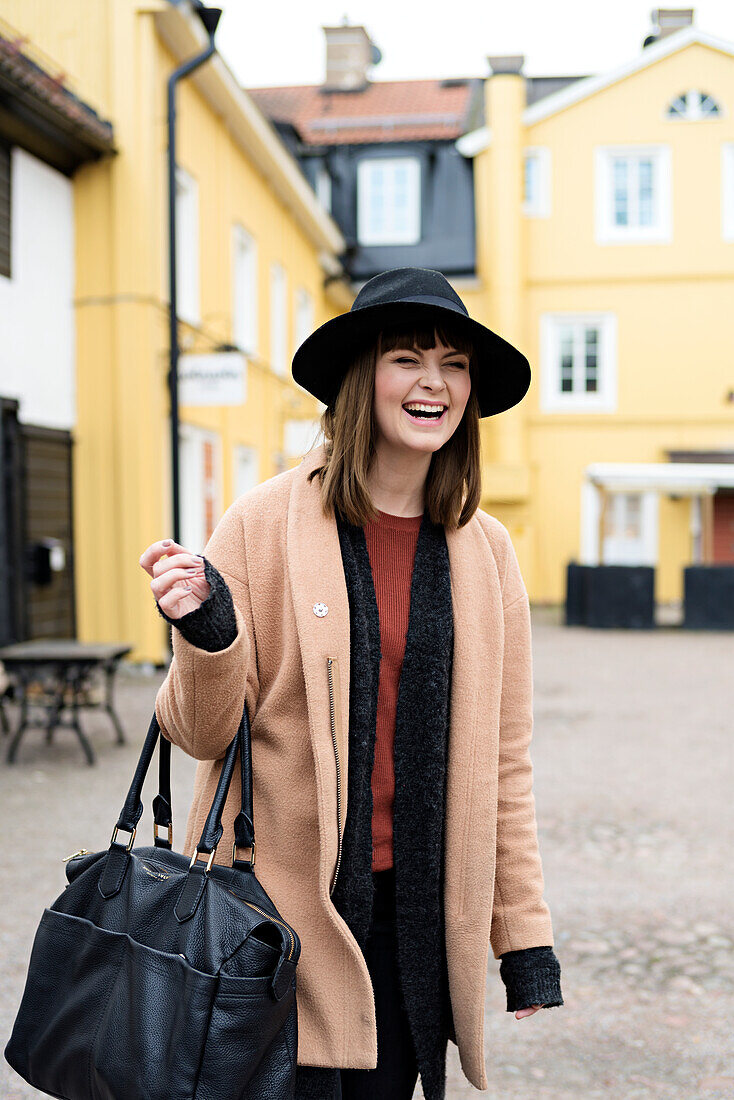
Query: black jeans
(396,1073)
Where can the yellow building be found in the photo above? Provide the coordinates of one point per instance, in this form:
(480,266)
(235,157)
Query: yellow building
(255,252)
(605,222)
(604,250)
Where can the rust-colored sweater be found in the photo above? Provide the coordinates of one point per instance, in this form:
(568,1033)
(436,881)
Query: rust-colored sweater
(391,543)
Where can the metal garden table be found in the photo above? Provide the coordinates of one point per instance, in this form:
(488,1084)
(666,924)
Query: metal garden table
(57,674)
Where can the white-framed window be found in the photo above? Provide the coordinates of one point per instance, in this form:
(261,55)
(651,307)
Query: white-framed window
(389,200)
(246,469)
(630,528)
(727,190)
(323,187)
(299,436)
(633,194)
(303,323)
(244,290)
(188,304)
(536,182)
(578,362)
(201,504)
(278,318)
(693,105)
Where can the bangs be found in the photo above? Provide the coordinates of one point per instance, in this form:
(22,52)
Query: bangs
(424,337)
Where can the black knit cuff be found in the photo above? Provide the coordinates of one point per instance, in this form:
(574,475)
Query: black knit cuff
(213,625)
(531,977)
(317,1083)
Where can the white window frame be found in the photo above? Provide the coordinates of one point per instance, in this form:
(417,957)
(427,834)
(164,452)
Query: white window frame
(389,233)
(538,205)
(693,112)
(323,187)
(245,469)
(303,315)
(727,190)
(188,289)
(278,318)
(606,232)
(196,489)
(244,290)
(615,549)
(300,436)
(604,399)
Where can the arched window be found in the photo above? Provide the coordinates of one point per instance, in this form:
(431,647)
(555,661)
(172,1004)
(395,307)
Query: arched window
(693,104)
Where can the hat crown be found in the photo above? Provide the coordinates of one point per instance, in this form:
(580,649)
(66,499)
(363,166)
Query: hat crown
(406,284)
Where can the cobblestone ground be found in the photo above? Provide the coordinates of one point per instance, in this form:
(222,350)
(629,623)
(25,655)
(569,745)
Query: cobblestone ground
(634,771)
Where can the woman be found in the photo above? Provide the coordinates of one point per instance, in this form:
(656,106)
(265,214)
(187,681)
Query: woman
(375,622)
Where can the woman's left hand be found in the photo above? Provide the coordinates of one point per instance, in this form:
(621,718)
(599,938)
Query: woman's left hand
(526,1011)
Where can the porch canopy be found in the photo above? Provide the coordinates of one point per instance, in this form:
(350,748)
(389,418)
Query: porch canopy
(697,480)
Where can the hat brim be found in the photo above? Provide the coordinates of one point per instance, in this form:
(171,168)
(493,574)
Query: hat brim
(503,372)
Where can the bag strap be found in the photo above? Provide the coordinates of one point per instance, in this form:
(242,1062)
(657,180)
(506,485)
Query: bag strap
(244,829)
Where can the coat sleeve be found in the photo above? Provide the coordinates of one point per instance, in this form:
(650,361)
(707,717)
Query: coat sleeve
(520,918)
(199,704)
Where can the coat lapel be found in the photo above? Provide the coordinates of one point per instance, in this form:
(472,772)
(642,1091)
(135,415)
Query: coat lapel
(316,578)
(471,782)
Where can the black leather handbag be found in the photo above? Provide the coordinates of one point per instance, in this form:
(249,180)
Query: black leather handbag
(153,977)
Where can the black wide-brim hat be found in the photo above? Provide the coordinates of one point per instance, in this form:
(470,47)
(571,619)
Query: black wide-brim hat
(406,294)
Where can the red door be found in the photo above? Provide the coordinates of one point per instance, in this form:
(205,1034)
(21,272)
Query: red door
(724,526)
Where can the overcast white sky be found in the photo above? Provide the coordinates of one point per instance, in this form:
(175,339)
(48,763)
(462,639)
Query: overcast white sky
(281,42)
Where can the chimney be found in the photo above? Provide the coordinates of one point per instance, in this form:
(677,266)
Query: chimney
(506,63)
(350,52)
(668,21)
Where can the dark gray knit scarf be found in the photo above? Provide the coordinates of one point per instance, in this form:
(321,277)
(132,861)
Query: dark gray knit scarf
(421,740)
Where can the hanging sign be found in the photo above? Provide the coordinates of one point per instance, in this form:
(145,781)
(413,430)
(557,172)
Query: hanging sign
(218,378)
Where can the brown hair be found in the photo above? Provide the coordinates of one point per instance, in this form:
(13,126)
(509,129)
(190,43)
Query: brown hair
(453,482)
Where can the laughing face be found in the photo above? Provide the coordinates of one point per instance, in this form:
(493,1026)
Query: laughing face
(420,395)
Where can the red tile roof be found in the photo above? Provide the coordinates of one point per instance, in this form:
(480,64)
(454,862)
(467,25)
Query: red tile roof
(27,76)
(390,110)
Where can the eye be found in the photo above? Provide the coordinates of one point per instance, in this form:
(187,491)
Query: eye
(404,359)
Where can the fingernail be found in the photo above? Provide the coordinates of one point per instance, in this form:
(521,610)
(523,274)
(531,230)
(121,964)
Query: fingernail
(187,587)
(167,542)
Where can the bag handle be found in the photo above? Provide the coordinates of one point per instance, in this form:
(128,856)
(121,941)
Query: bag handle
(243,824)
(244,829)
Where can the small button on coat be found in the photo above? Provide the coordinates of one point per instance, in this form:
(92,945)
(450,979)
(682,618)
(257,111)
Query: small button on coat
(280,556)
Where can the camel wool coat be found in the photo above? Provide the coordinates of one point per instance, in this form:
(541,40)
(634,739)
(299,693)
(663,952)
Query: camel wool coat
(290,661)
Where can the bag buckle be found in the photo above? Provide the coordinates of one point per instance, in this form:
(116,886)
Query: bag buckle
(234,854)
(156,827)
(209,862)
(130,842)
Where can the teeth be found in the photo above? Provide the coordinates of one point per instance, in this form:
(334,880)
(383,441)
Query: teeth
(425,408)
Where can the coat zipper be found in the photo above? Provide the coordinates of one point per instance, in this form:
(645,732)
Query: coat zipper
(329,661)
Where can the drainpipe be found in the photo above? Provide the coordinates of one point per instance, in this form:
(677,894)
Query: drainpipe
(210,18)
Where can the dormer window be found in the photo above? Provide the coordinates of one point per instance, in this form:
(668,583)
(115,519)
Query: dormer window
(693,105)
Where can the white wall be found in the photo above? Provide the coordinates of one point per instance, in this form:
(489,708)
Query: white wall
(36,309)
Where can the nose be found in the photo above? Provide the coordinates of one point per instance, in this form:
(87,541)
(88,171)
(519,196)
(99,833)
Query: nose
(431,375)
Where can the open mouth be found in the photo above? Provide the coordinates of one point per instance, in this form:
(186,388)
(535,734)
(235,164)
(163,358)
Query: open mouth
(425,415)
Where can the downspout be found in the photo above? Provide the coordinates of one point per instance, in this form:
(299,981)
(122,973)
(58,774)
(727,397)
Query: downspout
(210,18)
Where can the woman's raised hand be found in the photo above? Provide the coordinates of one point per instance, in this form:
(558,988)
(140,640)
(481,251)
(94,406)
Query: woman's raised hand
(178,581)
